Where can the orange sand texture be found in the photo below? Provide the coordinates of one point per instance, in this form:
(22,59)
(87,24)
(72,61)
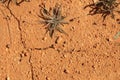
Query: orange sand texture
(88,53)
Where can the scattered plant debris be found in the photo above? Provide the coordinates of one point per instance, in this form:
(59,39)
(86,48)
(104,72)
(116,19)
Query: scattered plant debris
(103,7)
(53,19)
(15,1)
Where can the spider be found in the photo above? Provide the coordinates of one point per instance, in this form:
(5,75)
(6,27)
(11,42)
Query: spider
(104,7)
(15,1)
(53,19)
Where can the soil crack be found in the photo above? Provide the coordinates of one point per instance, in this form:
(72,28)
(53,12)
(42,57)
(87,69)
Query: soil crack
(31,67)
(20,29)
(8,27)
(21,40)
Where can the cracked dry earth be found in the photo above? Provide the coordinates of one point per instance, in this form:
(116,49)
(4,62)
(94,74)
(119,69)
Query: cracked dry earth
(88,53)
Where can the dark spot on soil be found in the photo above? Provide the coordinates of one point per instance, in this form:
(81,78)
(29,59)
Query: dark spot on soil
(65,71)
(56,41)
(95,46)
(64,43)
(104,24)
(52,46)
(93,66)
(8,46)
(118,21)
(94,23)
(83,64)
(1,68)
(71,20)
(78,21)
(78,72)
(87,61)
(47,78)
(29,12)
(23,21)
(107,39)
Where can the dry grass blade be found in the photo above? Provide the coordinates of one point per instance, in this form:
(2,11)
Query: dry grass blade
(15,1)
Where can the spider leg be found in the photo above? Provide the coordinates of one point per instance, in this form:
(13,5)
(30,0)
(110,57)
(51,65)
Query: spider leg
(47,28)
(18,3)
(63,22)
(45,11)
(56,11)
(89,5)
(104,15)
(117,11)
(27,0)
(15,1)
(51,31)
(8,3)
(112,15)
(45,14)
(60,30)
(93,11)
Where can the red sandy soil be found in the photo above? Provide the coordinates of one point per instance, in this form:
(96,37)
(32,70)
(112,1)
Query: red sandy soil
(88,53)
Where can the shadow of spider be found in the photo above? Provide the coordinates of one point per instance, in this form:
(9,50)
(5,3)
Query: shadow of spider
(15,1)
(53,19)
(103,7)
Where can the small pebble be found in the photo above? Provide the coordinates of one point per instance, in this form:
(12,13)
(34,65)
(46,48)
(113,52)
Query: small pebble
(7,78)
(44,38)
(47,78)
